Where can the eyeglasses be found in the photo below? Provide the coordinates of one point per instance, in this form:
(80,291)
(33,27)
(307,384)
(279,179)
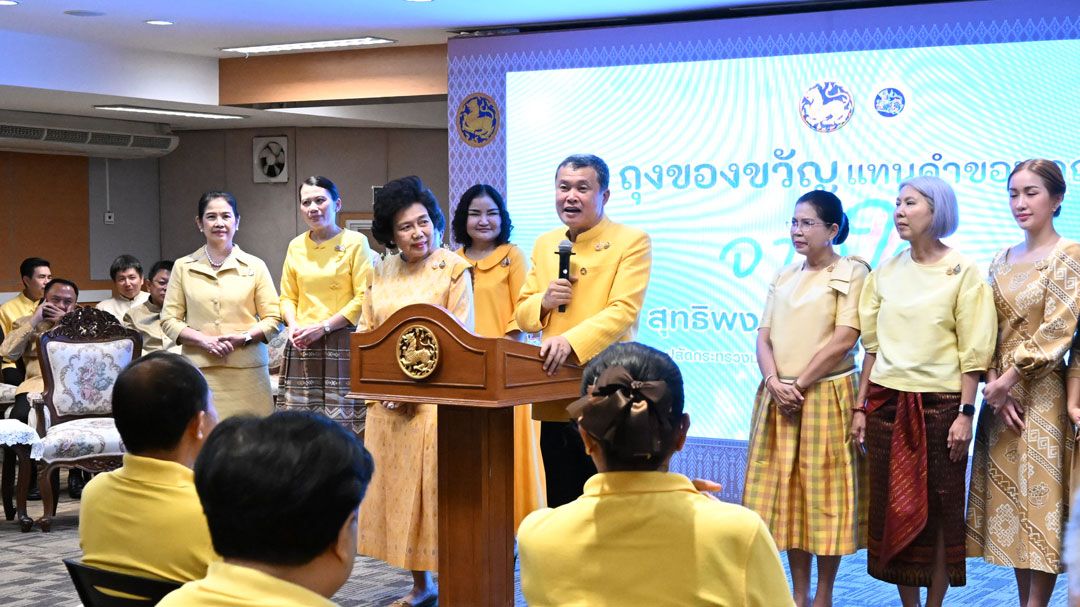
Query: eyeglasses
(805,224)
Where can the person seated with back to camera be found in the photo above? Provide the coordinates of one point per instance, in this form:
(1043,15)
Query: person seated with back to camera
(281,496)
(145,519)
(641,535)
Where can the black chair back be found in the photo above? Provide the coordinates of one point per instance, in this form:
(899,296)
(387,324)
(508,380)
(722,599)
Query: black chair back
(89,582)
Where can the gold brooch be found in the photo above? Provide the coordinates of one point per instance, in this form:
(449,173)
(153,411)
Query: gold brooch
(600,246)
(506,262)
(953,270)
(584,271)
(440,265)
(339,249)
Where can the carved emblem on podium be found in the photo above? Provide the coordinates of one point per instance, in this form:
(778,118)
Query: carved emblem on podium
(418,352)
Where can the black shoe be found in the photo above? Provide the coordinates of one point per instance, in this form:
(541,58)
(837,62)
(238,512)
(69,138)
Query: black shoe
(75,484)
(33,495)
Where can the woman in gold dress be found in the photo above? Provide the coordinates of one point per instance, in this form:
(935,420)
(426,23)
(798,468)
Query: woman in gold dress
(399,518)
(482,225)
(1023,446)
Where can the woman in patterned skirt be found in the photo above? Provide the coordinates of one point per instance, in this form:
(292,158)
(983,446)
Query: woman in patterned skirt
(1024,443)
(482,225)
(928,330)
(323,283)
(802,475)
(399,519)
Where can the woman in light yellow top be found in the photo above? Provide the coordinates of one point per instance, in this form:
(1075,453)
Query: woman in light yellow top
(1024,441)
(641,535)
(482,225)
(399,519)
(802,475)
(221,307)
(323,282)
(928,327)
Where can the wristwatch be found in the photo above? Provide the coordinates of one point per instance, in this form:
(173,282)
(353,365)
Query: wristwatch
(326,328)
(968,410)
(247,338)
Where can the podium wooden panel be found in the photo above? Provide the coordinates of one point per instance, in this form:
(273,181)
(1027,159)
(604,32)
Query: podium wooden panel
(476,381)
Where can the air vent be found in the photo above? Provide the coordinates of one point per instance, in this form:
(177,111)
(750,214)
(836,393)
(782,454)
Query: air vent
(109,139)
(66,136)
(157,143)
(21,132)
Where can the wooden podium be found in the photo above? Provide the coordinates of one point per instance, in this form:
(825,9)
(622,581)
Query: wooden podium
(423,354)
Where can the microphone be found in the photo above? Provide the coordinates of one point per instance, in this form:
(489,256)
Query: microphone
(564,253)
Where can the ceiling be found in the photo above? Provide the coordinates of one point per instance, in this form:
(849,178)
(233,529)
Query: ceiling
(203,27)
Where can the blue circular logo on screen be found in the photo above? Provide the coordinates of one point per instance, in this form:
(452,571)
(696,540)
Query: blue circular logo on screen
(826,107)
(889,102)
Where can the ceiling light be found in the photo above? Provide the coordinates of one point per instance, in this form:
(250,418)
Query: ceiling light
(163,112)
(159,22)
(82,13)
(8,2)
(308,46)
(418,0)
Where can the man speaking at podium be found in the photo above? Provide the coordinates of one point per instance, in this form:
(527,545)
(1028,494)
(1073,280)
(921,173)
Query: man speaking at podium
(595,305)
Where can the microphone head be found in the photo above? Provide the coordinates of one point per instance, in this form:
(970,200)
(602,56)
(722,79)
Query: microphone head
(565,246)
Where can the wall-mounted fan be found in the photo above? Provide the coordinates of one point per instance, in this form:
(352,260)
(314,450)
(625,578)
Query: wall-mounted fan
(270,159)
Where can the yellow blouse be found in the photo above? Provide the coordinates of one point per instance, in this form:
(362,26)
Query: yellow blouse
(321,280)
(238,297)
(441,279)
(804,307)
(228,585)
(146,319)
(927,324)
(497,279)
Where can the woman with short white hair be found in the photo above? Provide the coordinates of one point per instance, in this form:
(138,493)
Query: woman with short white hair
(928,328)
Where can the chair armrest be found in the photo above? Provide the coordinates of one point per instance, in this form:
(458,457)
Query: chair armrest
(39,417)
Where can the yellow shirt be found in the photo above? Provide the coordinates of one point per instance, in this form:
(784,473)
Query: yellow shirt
(442,279)
(612,263)
(497,279)
(118,306)
(238,297)
(146,319)
(23,343)
(227,585)
(803,309)
(648,538)
(12,310)
(927,324)
(321,280)
(145,519)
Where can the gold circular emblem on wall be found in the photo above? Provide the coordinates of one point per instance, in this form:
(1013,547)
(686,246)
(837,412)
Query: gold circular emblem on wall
(478,119)
(418,352)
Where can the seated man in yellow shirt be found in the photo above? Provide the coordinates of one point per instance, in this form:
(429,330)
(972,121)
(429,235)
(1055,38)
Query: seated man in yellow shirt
(641,535)
(145,519)
(35,273)
(146,317)
(127,276)
(281,494)
(596,306)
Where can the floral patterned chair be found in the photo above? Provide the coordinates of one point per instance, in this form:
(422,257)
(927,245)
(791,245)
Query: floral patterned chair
(80,360)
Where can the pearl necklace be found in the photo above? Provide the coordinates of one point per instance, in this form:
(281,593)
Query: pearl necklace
(216,264)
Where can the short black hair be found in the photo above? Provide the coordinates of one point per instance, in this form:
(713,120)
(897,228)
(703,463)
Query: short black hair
(277,489)
(319,181)
(581,161)
(461,214)
(28,265)
(164,264)
(212,194)
(397,196)
(155,398)
(829,209)
(643,363)
(60,281)
(124,263)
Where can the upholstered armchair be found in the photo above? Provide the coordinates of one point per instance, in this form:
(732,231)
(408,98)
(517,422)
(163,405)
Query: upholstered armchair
(80,360)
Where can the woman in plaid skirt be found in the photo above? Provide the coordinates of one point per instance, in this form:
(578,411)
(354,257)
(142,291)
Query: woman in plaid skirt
(802,475)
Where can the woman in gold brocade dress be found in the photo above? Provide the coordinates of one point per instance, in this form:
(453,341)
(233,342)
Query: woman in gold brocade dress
(1024,442)
(482,225)
(399,518)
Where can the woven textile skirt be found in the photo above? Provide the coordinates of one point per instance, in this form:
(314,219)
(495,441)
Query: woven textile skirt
(317,379)
(803,476)
(240,391)
(945,492)
(399,517)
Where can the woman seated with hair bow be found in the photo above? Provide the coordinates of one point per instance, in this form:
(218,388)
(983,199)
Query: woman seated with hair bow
(641,535)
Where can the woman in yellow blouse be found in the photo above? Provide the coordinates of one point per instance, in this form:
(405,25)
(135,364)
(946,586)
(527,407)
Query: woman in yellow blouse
(482,225)
(928,330)
(323,282)
(399,518)
(641,535)
(802,475)
(221,307)
(1019,487)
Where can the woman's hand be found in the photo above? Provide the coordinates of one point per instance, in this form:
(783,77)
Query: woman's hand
(1074,413)
(858,429)
(959,437)
(1011,414)
(995,393)
(302,337)
(212,345)
(788,398)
